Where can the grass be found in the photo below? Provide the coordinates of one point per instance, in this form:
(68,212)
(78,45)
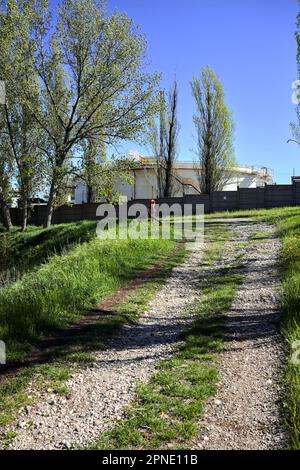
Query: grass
(259,236)
(167,409)
(52,376)
(173,401)
(275,214)
(57,293)
(287,222)
(289,231)
(22,251)
(13,395)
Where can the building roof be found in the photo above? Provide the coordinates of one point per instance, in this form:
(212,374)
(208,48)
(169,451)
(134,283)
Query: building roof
(181,165)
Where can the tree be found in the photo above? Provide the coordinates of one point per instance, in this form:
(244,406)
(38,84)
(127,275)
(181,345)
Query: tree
(20,137)
(94,161)
(101,174)
(171,137)
(110,173)
(93,158)
(92,80)
(155,137)
(295,126)
(164,141)
(5,191)
(214,127)
(6,167)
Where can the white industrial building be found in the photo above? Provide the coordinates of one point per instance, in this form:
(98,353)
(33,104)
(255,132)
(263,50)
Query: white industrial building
(185,180)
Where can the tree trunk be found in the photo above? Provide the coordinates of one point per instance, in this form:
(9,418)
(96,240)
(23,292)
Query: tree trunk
(50,206)
(24,215)
(92,194)
(168,176)
(6,214)
(167,184)
(24,203)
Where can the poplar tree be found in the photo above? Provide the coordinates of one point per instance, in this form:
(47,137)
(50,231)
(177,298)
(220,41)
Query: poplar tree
(214,132)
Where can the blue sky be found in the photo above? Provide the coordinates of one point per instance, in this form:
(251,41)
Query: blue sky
(250,44)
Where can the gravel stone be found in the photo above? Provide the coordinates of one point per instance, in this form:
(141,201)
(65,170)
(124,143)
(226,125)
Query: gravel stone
(246,414)
(99,394)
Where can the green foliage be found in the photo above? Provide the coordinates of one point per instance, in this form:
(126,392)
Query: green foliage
(163,139)
(21,137)
(94,83)
(295,126)
(101,174)
(72,77)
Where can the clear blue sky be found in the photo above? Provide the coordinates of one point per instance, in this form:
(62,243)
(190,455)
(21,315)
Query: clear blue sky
(250,44)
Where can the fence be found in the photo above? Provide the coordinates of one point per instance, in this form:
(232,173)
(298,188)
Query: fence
(269,196)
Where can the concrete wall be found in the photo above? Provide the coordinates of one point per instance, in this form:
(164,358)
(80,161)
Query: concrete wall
(146,183)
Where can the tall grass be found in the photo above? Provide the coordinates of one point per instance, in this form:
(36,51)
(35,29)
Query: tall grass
(21,251)
(56,293)
(289,230)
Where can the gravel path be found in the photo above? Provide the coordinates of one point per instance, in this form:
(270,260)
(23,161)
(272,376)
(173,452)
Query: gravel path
(246,413)
(99,394)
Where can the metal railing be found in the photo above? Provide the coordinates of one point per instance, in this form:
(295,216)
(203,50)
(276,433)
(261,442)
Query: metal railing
(251,169)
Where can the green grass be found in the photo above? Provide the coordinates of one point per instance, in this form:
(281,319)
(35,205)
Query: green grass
(259,236)
(287,222)
(274,214)
(56,293)
(52,376)
(21,251)
(289,231)
(47,377)
(167,409)
(13,396)
(150,422)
